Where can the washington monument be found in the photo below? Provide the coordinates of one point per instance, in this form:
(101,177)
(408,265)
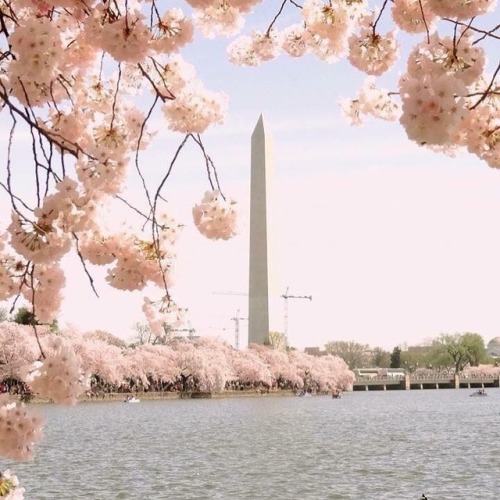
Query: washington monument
(262,168)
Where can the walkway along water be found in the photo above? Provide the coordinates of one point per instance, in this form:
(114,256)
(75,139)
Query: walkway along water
(435,381)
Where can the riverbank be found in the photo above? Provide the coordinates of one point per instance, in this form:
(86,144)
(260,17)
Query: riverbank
(156,396)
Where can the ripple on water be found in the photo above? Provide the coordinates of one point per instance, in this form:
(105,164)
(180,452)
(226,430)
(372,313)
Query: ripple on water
(392,445)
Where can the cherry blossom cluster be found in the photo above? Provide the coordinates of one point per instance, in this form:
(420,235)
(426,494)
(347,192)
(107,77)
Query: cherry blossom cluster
(208,361)
(9,486)
(20,430)
(76,71)
(58,377)
(215,217)
(163,314)
(370,52)
(371,100)
(446,93)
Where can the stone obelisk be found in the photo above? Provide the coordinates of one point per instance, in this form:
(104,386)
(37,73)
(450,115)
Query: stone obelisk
(259,283)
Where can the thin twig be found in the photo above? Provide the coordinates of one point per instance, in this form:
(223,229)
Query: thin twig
(276,17)
(425,21)
(139,140)
(477,30)
(486,93)
(84,264)
(379,15)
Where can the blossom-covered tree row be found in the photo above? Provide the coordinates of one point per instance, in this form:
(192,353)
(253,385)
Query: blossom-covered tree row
(76,364)
(202,364)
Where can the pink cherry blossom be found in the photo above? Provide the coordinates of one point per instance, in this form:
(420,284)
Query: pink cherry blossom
(20,430)
(461,9)
(215,217)
(15,492)
(370,52)
(407,15)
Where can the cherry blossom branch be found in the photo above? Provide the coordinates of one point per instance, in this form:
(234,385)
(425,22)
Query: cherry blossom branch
(12,195)
(209,166)
(486,92)
(425,20)
(169,170)
(135,209)
(477,30)
(115,97)
(486,34)
(283,3)
(32,287)
(84,264)
(462,34)
(139,140)
(50,136)
(8,188)
(154,222)
(153,84)
(379,16)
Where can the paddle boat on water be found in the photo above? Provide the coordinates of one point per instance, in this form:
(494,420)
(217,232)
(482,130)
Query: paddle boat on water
(479,392)
(303,394)
(131,399)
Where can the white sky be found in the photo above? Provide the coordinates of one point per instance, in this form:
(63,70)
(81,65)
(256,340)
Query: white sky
(395,243)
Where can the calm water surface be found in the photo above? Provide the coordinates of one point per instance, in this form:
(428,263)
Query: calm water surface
(368,445)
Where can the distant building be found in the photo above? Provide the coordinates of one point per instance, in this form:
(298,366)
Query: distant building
(493,347)
(315,351)
(419,349)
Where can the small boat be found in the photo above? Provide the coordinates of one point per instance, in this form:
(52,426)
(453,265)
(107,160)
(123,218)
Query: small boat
(336,395)
(479,392)
(131,399)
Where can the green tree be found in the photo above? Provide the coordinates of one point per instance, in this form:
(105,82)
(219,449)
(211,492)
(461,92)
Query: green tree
(381,358)
(462,349)
(396,358)
(353,353)
(24,316)
(474,348)
(54,326)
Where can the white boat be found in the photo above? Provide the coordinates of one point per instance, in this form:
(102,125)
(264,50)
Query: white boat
(131,399)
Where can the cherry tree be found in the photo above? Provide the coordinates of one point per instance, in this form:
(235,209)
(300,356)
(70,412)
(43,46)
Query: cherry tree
(18,348)
(152,363)
(279,364)
(101,359)
(82,80)
(251,369)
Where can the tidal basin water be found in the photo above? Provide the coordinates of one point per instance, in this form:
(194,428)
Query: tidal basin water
(369,445)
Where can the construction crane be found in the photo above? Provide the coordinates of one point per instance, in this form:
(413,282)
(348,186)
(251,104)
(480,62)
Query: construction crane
(237,320)
(287,296)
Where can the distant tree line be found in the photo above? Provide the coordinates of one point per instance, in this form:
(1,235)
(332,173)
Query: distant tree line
(446,352)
